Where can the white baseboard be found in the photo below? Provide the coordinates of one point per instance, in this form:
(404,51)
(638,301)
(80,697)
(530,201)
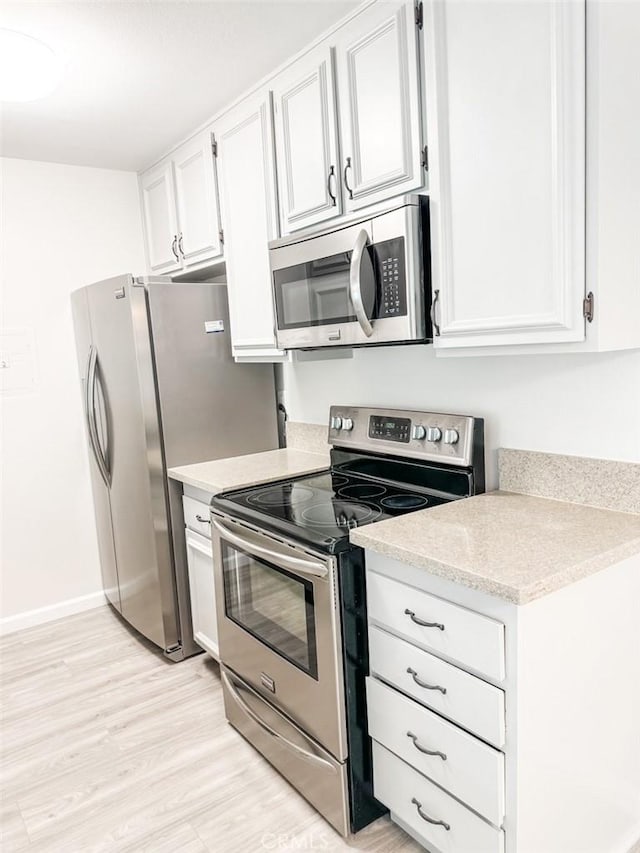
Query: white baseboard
(30,618)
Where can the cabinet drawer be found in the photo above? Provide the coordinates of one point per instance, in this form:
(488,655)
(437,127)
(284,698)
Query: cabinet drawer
(463,698)
(473,640)
(401,789)
(193,510)
(465,766)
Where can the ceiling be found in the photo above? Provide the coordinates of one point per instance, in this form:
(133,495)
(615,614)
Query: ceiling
(141,75)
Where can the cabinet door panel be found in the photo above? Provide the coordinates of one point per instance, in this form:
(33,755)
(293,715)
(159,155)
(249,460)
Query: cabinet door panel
(506,90)
(159,207)
(202,591)
(245,161)
(379,98)
(197,201)
(306,142)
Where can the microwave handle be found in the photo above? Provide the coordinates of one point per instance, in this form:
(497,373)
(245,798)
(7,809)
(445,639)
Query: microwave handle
(355,282)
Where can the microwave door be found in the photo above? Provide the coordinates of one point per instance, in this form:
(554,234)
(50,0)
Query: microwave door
(362,283)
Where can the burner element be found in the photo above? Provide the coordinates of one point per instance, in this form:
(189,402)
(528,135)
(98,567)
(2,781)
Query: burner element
(362,492)
(338,480)
(339,514)
(404,501)
(287,494)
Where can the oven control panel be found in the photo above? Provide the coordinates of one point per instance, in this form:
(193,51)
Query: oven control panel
(432,436)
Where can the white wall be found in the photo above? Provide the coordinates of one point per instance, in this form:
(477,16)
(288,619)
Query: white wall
(584,405)
(62,227)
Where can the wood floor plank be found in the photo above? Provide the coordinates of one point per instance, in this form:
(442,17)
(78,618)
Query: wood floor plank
(109,747)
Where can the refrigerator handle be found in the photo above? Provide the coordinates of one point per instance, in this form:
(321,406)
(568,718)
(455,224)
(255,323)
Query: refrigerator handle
(91,416)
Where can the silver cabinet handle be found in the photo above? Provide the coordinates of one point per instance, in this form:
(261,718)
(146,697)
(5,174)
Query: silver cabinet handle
(344,177)
(424,684)
(282,740)
(420,622)
(426,817)
(355,271)
(301,566)
(332,196)
(173,247)
(423,749)
(202,520)
(436,327)
(180,249)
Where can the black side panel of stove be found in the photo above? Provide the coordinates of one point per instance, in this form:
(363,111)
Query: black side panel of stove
(364,807)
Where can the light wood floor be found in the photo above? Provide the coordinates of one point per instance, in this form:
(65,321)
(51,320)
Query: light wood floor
(107,746)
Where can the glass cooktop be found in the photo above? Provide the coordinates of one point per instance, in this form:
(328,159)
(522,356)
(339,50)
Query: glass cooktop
(321,509)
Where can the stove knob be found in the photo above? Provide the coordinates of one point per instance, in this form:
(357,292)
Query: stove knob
(418,432)
(336,422)
(347,423)
(433,433)
(451,436)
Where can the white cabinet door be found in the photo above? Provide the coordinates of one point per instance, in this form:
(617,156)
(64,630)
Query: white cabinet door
(307,142)
(379,97)
(159,208)
(202,592)
(197,201)
(248,198)
(506,131)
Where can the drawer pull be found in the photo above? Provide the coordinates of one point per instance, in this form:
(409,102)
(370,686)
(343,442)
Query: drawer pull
(415,619)
(423,749)
(203,520)
(426,817)
(424,684)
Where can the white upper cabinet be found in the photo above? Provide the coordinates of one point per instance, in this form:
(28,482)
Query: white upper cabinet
(248,199)
(159,208)
(307,142)
(180,205)
(197,201)
(506,132)
(379,96)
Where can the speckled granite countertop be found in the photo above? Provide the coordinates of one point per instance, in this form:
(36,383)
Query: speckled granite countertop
(237,472)
(512,546)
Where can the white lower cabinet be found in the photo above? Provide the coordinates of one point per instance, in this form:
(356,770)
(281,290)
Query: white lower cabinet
(540,757)
(201,583)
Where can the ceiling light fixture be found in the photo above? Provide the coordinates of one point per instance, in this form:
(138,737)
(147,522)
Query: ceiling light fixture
(29,69)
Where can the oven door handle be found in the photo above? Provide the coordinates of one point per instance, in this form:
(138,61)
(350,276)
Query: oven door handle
(298,565)
(355,282)
(282,740)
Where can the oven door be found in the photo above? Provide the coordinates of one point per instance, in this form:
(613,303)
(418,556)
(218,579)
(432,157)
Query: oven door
(279,626)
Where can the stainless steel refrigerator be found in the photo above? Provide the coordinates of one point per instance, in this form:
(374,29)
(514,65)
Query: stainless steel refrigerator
(160,389)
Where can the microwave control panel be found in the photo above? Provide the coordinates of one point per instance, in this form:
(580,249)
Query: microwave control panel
(392,276)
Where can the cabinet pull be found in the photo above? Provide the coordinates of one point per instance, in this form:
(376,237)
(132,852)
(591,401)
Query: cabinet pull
(173,247)
(420,622)
(423,749)
(203,520)
(426,817)
(424,684)
(344,177)
(436,327)
(180,249)
(332,196)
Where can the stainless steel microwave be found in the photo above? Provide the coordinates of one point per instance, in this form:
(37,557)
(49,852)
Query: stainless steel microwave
(363,283)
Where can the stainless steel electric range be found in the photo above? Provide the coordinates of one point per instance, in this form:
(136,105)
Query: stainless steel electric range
(290,590)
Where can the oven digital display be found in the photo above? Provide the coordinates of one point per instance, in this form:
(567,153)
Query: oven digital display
(390,429)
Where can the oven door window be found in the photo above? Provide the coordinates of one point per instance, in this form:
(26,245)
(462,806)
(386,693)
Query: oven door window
(271,604)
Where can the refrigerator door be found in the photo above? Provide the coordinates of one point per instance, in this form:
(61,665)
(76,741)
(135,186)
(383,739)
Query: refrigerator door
(131,443)
(95,423)
(210,406)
